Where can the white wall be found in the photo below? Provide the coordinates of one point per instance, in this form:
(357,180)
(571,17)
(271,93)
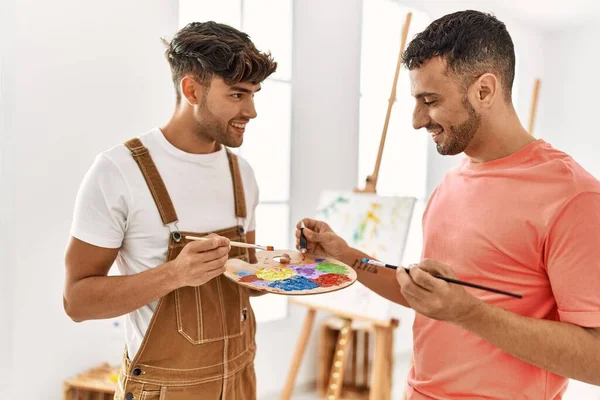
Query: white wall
(7,70)
(568,96)
(89,75)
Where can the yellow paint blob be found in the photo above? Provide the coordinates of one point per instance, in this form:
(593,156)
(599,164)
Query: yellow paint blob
(275,274)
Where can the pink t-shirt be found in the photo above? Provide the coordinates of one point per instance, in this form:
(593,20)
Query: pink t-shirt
(528,223)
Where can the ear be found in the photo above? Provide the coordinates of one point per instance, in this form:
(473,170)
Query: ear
(191,91)
(487,87)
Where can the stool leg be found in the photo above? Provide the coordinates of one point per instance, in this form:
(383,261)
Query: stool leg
(327,345)
(365,366)
(354,357)
(336,378)
(381,388)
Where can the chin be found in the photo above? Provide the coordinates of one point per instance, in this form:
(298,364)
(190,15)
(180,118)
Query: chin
(234,143)
(449,150)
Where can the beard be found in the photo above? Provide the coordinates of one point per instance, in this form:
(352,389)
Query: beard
(209,127)
(460,136)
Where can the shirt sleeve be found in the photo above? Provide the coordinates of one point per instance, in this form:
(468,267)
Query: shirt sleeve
(101,206)
(573,260)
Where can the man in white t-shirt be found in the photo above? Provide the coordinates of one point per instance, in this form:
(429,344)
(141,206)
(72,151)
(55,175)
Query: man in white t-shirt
(189,330)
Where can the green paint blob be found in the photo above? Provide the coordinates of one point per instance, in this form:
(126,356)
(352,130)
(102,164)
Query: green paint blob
(331,268)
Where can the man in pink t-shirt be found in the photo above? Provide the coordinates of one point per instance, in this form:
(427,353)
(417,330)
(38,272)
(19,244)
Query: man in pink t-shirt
(516,214)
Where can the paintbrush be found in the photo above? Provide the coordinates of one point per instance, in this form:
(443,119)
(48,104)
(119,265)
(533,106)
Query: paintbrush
(303,242)
(449,280)
(237,244)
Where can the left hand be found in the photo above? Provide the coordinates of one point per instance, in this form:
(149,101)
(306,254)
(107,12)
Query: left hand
(434,297)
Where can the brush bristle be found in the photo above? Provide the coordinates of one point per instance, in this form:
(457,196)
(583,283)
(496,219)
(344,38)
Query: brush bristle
(270,248)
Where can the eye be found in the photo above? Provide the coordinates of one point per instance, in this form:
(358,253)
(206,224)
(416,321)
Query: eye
(428,103)
(237,95)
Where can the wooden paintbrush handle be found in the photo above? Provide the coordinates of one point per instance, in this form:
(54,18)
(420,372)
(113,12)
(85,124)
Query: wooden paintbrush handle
(232,243)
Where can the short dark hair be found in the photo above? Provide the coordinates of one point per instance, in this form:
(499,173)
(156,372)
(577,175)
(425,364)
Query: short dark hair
(209,49)
(471,42)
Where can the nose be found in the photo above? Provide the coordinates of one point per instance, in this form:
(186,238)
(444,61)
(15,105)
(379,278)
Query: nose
(250,109)
(420,117)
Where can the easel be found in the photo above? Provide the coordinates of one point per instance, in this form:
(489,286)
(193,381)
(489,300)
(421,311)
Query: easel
(534,101)
(381,378)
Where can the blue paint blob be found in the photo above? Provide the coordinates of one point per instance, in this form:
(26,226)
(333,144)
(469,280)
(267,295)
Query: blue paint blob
(261,283)
(319,259)
(243,273)
(295,283)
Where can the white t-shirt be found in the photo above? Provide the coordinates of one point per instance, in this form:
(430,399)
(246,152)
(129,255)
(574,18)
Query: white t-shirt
(114,208)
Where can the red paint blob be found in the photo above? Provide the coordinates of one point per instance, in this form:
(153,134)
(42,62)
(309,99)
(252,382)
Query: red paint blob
(328,280)
(249,278)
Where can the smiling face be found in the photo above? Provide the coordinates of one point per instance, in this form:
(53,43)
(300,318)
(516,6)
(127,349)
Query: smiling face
(224,111)
(443,107)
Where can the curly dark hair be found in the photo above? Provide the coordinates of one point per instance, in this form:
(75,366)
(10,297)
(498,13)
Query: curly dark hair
(208,49)
(471,42)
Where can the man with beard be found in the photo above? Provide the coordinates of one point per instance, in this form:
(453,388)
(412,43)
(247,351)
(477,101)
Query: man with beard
(189,330)
(516,214)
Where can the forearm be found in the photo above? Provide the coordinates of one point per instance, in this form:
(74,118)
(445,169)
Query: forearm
(380,280)
(559,347)
(98,297)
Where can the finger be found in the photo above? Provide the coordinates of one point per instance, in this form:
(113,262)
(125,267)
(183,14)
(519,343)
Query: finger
(214,273)
(408,286)
(402,277)
(199,246)
(308,223)
(311,235)
(215,254)
(424,279)
(207,244)
(437,268)
(214,265)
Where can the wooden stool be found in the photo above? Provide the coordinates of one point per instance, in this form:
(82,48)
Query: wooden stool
(340,342)
(98,383)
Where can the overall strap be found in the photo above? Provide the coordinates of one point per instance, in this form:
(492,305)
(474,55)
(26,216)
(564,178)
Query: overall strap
(153,179)
(238,185)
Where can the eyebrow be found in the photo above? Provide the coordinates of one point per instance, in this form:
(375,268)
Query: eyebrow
(243,90)
(425,94)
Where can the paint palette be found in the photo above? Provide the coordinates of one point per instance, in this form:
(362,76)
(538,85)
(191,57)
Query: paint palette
(313,275)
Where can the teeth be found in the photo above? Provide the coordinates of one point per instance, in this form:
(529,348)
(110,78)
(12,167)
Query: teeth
(239,126)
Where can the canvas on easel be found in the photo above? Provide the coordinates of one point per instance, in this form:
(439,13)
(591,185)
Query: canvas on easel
(376,225)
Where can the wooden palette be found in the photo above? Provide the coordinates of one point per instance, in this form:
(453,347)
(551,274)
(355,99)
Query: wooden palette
(313,275)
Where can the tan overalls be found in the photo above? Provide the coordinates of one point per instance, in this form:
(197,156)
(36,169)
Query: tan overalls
(200,341)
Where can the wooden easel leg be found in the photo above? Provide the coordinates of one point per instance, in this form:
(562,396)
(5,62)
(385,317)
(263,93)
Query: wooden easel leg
(336,378)
(365,367)
(65,392)
(299,353)
(381,387)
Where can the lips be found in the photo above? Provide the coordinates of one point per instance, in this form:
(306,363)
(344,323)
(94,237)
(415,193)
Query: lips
(238,127)
(436,135)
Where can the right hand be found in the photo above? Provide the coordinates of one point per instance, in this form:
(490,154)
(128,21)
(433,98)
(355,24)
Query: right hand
(201,260)
(321,239)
